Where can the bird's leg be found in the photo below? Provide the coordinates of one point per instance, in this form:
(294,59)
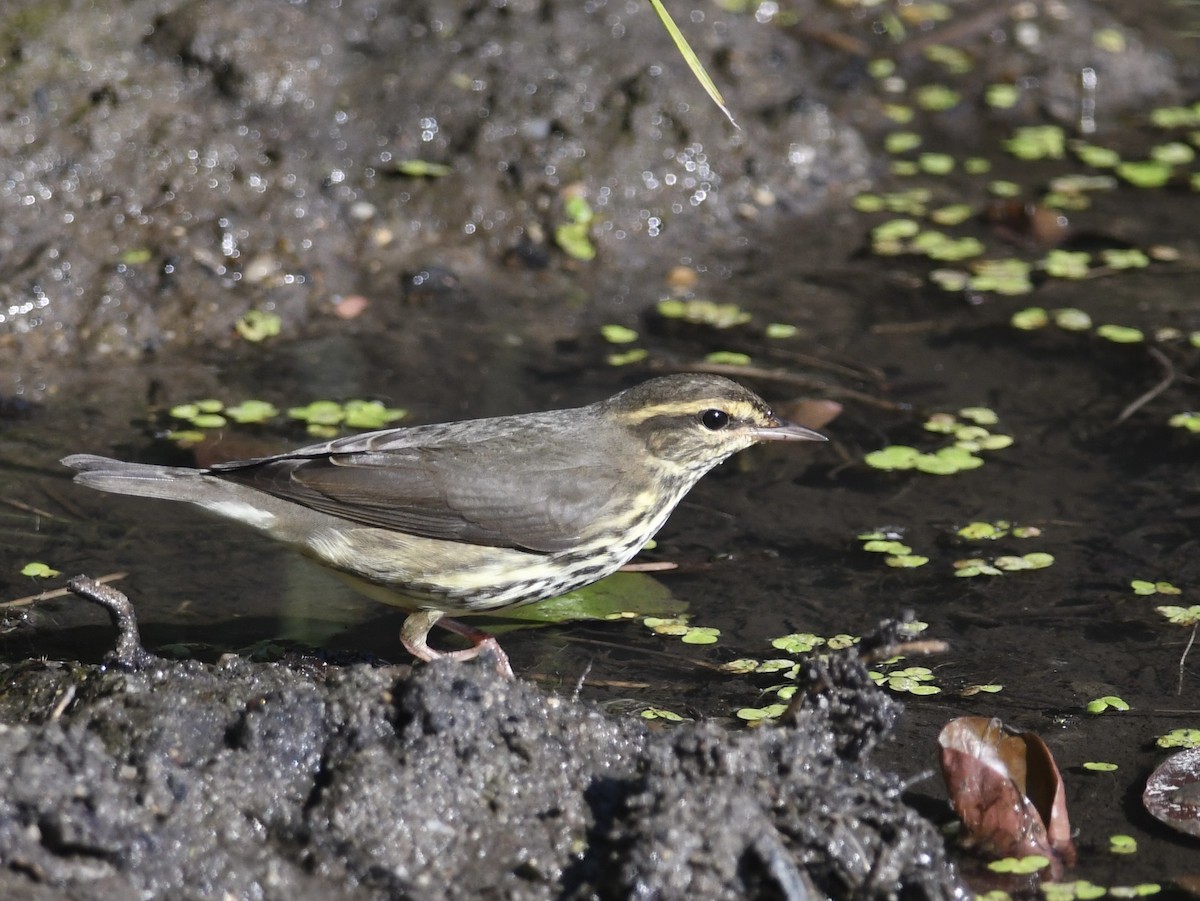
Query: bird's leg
(414,636)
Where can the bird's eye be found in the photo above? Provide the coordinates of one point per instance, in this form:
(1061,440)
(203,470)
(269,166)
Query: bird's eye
(714,420)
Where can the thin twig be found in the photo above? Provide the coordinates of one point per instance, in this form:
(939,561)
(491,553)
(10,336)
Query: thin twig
(1167,381)
(57,592)
(650,566)
(960,31)
(923,647)
(1183,659)
(26,508)
(852,370)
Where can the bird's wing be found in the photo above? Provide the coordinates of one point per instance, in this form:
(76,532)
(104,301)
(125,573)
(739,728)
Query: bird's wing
(495,493)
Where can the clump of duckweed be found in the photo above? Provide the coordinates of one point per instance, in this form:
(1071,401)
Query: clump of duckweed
(1106,703)
(703,312)
(913,680)
(1189,420)
(1179,738)
(970,438)
(971,567)
(798,644)
(678,627)
(887,541)
(37,570)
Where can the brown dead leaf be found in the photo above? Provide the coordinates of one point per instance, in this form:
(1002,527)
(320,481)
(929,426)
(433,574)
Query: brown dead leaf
(1006,789)
(1172,794)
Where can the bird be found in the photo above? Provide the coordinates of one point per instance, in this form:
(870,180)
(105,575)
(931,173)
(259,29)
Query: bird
(456,518)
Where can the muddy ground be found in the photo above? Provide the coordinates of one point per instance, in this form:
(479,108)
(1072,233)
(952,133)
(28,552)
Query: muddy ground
(169,166)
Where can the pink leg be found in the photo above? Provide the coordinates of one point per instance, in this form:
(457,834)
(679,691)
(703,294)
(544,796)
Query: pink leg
(414,635)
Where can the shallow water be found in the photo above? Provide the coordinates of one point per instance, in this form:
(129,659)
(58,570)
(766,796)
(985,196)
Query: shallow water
(766,545)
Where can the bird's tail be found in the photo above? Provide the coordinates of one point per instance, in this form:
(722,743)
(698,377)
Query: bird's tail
(174,483)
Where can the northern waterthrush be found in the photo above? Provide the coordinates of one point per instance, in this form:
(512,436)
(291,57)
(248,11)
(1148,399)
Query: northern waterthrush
(466,517)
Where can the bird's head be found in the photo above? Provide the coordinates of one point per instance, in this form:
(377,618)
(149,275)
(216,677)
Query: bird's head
(694,421)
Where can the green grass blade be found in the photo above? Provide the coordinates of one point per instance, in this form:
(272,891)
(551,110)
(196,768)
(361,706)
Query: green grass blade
(689,56)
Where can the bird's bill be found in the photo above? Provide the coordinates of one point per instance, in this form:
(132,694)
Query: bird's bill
(786,431)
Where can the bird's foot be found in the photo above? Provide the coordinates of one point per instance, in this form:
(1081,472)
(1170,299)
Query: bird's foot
(414,636)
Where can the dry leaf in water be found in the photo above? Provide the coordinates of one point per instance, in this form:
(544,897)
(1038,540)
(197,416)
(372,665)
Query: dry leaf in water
(1006,789)
(1172,794)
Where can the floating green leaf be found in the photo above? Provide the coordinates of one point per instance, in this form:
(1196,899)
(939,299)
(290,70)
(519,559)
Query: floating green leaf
(700,635)
(1122,844)
(1019,865)
(319,412)
(895,229)
(728,358)
(703,312)
(1092,155)
(1175,153)
(901,142)
(623,595)
(136,257)
(1141,586)
(1008,277)
(982,531)
(1188,420)
(954,214)
(1110,40)
(1098,766)
(876,546)
(1067,264)
(370,414)
(912,680)
(798,643)
(252,411)
(1080,890)
(755,714)
(1176,117)
(422,169)
(949,279)
(991,689)
(572,238)
(659,713)
(618,334)
(1120,334)
(1142,890)
(1072,320)
(953,60)
(258,325)
(781,330)
(1145,173)
(1002,96)
(936,97)
(979,415)
(1037,142)
(936,163)
(868,203)
(39,571)
(894,457)
(1116,258)
(1108,702)
(1181,616)
(636,355)
(1179,738)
